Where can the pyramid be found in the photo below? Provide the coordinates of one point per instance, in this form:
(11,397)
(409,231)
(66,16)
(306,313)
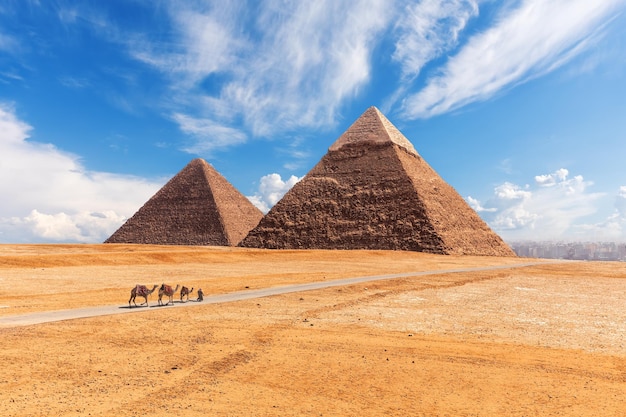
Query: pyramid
(372,190)
(198,206)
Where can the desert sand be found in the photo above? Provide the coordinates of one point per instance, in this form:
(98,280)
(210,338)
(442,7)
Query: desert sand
(546,340)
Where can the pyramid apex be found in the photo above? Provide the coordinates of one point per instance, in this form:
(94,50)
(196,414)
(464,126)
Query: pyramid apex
(197,161)
(373,126)
(202,165)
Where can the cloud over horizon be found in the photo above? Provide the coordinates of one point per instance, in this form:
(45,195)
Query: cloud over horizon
(554,207)
(271,189)
(48,196)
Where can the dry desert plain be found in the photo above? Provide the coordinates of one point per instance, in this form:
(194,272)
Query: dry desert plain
(541,340)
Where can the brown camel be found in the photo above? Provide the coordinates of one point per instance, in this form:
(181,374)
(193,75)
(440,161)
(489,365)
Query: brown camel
(167,290)
(142,291)
(184,291)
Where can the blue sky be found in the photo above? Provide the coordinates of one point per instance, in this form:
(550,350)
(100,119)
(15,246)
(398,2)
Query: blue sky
(519,105)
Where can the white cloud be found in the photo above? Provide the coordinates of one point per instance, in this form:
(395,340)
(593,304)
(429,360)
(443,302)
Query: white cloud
(555,206)
(527,41)
(47,195)
(271,189)
(620,201)
(509,191)
(281,65)
(286,66)
(513,212)
(209,134)
(429,28)
(475,204)
(14,131)
(611,229)
(205,40)
(83,226)
(549,180)
(311,57)
(425,31)
(273,67)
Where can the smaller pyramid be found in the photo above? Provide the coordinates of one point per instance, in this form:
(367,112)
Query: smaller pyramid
(198,206)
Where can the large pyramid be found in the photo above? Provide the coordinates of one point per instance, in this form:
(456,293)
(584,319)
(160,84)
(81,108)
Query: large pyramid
(372,190)
(198,206)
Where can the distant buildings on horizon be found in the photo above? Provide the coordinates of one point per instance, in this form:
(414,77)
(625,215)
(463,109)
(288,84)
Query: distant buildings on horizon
(587,251)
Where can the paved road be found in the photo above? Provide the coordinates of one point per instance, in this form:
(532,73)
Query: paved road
(78,313)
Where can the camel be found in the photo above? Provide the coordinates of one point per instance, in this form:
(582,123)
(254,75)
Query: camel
(184,291)
(142,291)
(167,290)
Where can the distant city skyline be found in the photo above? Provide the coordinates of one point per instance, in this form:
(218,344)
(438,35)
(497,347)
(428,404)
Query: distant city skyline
(591,251)
(519,105)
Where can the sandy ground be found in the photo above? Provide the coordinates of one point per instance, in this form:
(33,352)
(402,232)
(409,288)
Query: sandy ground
(546,340)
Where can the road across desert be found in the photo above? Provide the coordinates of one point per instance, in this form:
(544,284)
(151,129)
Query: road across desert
(78,313)
(440,336)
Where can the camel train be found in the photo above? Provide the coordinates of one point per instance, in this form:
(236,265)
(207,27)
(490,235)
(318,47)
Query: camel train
(164,290)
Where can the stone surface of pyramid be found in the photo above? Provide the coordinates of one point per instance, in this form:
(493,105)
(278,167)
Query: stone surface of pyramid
(198,206)
(372,190)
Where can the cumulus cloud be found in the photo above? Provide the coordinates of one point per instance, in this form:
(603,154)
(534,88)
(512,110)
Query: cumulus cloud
(475,204)
(271,189)
(511,192)
(548,180)
(527,41)
(82,226)
(555,206)
(49,196)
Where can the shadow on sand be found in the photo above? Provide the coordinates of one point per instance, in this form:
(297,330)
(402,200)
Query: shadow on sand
(160,305)
(133,307)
